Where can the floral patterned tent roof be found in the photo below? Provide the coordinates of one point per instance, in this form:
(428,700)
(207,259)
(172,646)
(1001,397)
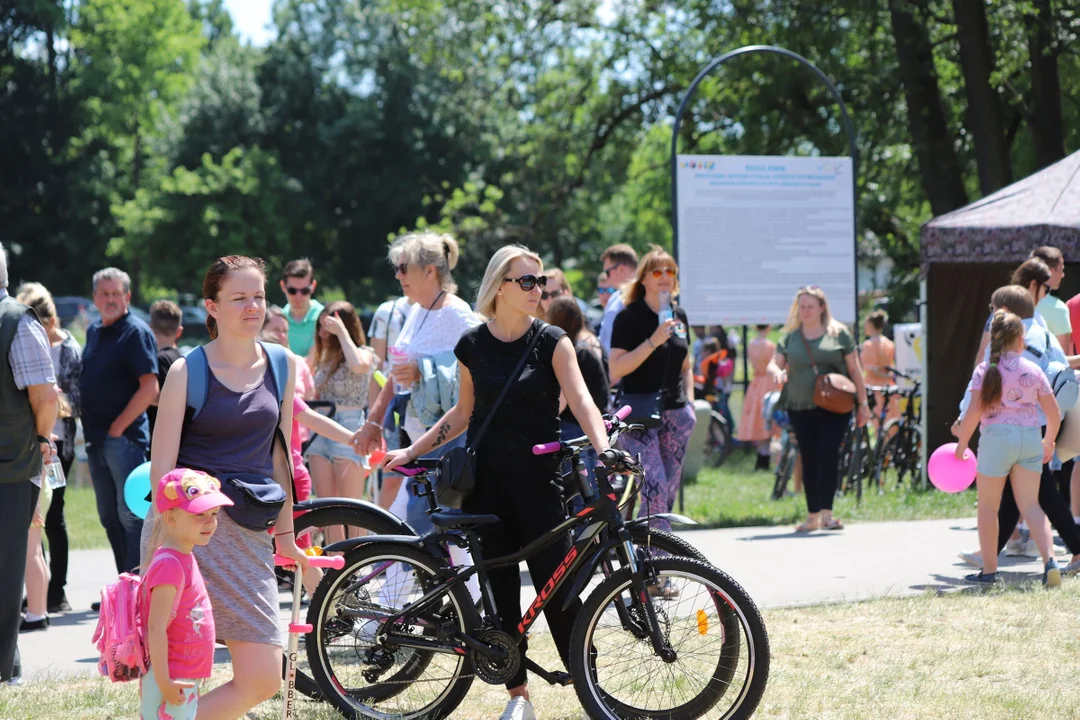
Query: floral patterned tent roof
(1041,209)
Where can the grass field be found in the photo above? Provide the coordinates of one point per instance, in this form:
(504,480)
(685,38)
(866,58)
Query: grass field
(970,655)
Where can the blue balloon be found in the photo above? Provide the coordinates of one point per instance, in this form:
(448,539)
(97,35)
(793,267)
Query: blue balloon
(136,488)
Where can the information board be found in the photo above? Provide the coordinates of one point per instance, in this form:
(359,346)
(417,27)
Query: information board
(752,230)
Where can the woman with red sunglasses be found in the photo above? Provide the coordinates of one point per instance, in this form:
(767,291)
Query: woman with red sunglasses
(652,358)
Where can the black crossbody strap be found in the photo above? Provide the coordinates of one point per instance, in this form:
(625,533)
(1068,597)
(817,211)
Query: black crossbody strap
(509,381)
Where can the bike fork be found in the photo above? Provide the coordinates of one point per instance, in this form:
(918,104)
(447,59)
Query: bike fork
(640,597)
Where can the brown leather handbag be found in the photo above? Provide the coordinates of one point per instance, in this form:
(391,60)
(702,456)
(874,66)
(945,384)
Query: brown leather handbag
(832,391)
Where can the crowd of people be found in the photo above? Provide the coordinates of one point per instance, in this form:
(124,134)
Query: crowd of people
(1022,385)
(420,382)
(426,376)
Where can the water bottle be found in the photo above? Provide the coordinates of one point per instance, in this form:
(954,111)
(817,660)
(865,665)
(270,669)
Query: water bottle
(666,313)
(54,474)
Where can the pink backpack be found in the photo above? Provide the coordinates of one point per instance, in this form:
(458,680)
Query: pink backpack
(120,636)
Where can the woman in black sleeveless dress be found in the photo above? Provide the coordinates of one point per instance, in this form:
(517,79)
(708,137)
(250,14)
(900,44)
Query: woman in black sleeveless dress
(510,481)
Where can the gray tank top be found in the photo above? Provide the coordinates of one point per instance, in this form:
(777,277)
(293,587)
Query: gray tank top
(234,432)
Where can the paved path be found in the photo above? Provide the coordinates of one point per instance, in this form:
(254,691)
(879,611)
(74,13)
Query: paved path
(777,568)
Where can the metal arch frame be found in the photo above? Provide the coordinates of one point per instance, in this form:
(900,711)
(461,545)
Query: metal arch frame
(848,127)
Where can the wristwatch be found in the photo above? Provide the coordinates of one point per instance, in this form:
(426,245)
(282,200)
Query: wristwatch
(43,439)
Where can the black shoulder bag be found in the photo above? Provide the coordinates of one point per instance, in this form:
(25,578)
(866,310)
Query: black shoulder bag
(457,468)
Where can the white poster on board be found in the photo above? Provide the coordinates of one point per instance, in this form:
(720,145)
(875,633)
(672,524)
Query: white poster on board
(909,351)
(754,229)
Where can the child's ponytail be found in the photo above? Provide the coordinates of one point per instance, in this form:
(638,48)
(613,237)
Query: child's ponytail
(1005,330)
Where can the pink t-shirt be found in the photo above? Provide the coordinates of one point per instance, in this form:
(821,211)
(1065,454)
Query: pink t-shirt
(300,472)
(191,632)
(1022,384)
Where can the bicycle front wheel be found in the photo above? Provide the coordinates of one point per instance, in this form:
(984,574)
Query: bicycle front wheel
(618,674)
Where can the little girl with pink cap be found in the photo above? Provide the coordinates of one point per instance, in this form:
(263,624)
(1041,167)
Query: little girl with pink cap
(175,609)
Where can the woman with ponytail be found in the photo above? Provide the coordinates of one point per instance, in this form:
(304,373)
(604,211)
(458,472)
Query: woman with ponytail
(243,428)
(1007,392)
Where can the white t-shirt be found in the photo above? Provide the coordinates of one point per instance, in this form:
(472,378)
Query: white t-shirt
(428,333)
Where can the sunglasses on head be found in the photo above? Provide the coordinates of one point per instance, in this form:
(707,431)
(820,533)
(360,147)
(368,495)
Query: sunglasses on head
(810,288)
(551,295)
(604,291)
(302,291)
(528,282)
(661,272)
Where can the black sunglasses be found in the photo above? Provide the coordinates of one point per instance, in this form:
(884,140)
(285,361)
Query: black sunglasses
(607,271)
(401,269)
(1047,287)
(302,291)
(551,295)
(528,282)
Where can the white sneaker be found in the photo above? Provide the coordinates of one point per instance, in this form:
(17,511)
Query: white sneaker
(1031,550)
(1015,548)
(974,559)
(518,709)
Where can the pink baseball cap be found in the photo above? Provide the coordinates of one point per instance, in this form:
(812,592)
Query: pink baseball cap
(191,491)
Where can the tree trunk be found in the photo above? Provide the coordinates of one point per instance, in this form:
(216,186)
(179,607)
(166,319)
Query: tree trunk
(984,115)
(1046,123)
(941,176)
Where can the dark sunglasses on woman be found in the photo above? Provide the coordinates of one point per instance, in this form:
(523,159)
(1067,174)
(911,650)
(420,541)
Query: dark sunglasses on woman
(528,282)
(551,295)
(401,269)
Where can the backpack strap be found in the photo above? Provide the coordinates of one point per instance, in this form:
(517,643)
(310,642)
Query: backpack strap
(198,379)
(278,358)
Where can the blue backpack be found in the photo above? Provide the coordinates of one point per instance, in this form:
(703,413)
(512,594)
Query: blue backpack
(257,499)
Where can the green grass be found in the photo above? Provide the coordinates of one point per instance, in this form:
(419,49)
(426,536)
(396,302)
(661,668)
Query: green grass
(80,514)
(736,496)
(997,655)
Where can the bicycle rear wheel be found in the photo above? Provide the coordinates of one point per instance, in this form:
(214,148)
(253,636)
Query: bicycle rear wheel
(309,527)
(718,443)
(785,468)
(352,654)
(617,673)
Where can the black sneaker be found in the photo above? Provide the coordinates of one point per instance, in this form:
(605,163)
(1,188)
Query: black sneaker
(95,607)
(59,607)
(30,626)
(981,578)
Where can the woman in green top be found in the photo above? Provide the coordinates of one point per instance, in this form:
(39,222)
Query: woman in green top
(818,431)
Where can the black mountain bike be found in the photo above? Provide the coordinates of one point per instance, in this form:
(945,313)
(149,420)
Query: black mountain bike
(396,634)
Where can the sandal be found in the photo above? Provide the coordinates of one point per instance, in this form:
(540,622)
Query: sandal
(806,527)
(834,525)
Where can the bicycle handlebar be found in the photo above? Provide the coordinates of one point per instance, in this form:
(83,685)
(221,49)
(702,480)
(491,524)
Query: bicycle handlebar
(320,561)
(553,447)
(899,373)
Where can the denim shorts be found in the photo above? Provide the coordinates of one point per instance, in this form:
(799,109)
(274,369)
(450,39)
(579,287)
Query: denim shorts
(326,448)
(1003,446)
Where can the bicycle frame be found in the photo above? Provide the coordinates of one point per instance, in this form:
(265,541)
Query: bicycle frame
(600,513)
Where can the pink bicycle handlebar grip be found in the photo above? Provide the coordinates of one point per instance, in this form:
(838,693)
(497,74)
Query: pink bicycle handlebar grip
(546,448)
(407,471)
(623,412)
(321,561)
(327,561)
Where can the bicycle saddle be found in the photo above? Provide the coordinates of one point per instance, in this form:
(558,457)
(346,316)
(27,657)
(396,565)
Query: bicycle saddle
(461,521)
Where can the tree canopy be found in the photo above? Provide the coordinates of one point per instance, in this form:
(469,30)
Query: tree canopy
(145,134)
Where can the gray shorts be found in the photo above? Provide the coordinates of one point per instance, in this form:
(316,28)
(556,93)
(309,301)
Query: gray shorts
(1003,446)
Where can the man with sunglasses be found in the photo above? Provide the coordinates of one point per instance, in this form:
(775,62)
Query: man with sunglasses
(298,284)
(620,263)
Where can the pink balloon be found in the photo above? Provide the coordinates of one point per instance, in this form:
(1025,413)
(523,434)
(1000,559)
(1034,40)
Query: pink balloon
(949,474)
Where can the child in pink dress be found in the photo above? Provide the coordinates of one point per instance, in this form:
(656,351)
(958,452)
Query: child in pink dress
(175,609)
